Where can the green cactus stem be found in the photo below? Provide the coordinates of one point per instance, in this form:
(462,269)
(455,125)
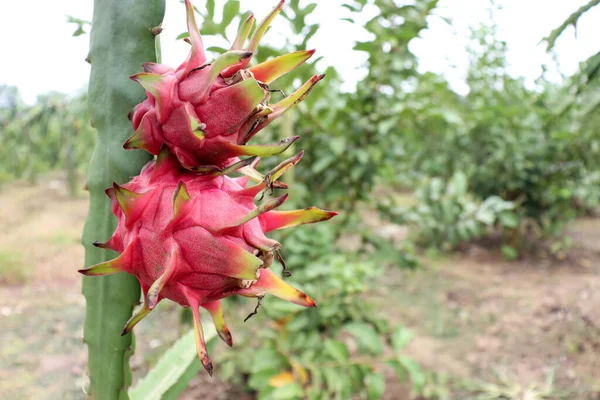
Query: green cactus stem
(122,38)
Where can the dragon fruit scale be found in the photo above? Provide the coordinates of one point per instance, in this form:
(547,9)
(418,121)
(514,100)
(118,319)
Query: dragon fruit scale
(205,113)
(197,238)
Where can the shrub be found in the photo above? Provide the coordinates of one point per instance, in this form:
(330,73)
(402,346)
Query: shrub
(447,215)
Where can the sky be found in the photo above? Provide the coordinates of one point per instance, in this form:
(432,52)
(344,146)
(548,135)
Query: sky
(39,53)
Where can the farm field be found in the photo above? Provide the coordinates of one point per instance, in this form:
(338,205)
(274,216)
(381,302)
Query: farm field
(484,325)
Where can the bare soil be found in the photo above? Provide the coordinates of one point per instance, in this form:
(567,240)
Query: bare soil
(477,318)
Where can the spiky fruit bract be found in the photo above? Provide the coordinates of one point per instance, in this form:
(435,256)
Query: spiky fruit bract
(197,238)
(205,113)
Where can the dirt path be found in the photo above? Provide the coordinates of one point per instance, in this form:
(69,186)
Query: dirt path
(41,306)
(477,318)
(515,325)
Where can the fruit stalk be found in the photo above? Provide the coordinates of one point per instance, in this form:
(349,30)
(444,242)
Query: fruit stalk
(122,39)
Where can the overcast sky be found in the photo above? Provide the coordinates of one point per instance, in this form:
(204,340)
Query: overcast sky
(39,54)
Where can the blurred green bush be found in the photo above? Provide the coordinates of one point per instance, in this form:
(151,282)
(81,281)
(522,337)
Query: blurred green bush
(53,134)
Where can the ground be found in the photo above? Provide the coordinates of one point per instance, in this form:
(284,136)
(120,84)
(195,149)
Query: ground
(484,325)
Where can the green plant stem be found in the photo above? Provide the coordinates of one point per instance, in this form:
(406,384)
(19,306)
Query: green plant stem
(571,20)
(121,40)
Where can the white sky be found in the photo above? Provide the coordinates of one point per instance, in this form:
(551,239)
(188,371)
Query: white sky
(38,53)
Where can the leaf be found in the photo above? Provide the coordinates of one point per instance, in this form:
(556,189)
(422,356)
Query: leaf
(262,379)
(399,369)
(417,377)
(311,32)
(266,359)
(309,8)
(300,322)
(291,391)
(230,11)
(509,219)
(366,336)
(216,49)
(351,7)
(364,46)
(210,9)
(509,252)
(81,23)
(458,184)
(485,216)
(170,368)
(322,164)
(338,145)
(375,386)
(337,350)
(333,379)
(400,338)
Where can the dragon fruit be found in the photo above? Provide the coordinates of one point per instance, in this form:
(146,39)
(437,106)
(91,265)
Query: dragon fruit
(206,113)
(197,238)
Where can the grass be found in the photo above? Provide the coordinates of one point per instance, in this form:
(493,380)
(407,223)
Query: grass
(507,387)
(62,238)
(13,269)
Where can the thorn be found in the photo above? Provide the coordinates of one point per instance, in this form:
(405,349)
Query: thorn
(273,68)
(157,29)
(261,209)
(198,332)
(124,197)
(137,317)
(105,268)
(215,308)
(115,265)
(207,169)
(234,167)
(281,169)
(243,32)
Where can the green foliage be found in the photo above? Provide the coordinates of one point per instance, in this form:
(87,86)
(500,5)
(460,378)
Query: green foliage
(81,24)
(53,134)
(521,151)
(329,351)
(519,144)
(177,364)
(446,214)
(350,138)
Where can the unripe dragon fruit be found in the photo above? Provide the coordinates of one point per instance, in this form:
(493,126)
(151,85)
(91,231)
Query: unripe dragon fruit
(205,113)
(197,238)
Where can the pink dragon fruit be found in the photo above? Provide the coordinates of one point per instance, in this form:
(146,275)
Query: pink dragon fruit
(205,113)
(197,238)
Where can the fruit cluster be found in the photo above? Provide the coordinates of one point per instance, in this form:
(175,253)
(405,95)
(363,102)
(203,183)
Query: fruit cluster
(187,230)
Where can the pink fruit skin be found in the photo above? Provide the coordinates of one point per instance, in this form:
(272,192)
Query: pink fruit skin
(195,239)
(205,113)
